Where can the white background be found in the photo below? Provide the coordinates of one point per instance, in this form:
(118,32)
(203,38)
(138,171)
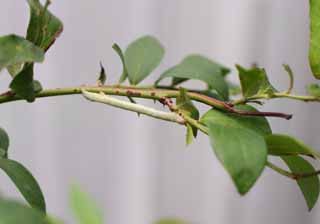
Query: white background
(139,169)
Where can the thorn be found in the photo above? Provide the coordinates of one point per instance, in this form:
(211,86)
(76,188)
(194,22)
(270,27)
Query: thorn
(102,77)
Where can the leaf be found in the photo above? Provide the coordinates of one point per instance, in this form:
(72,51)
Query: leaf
(309,186)
(142,57)
(314,90)
(239,144)
(186,107)
(190,134)
(234,89)
(288,69)
(4,143)
(314,50)
(84,207)
(241,151)
(23,84)
(53,220)
(279,144)
(254,81)
(102,77)
(170,221)
(16,213)
(200,68)
(15,50)
(124,74)
(37,86)
(259,125)
(44,27)
(25,182)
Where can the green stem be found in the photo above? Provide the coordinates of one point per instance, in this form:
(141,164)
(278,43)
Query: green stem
(196,124)
(140,109)
(142,92)
(294,176)
(274,96)
(280,170)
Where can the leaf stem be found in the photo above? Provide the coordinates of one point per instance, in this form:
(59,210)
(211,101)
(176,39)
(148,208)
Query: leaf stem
(294,176)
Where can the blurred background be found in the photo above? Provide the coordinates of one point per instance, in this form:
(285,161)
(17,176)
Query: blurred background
(139,169)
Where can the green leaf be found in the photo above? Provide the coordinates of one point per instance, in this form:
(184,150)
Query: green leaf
(170,221)
(25,182)
(314,51)
(289,71)
(186,107)
(54,220)
(279,144)
(190,134)
(4,143)
(314,90)
(238,142)
(241,151)
(234,89)
(142,57)
(37,86)
(254,81)
(16,213)
(15,50)
(200,68)
(259,125)
(84,207)
(124,74)
(309,186)
(23,84)
(44,27)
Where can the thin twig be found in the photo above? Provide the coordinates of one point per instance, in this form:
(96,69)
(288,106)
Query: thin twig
(143,92)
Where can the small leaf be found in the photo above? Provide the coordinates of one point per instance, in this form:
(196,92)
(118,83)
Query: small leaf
(254,81)
(314,90)
(84,207)
(124,74)
(142,57)
(37,86)
(286,145)
(288,69)
(44,27)
(4,143)
(241,151)
(25,182)
(314,51)
(15,50)
(199,68)
(309,186)
(102,76)
(16,213)
(190,134)
(176,81)
(259,125)
(23,84)
(186,107)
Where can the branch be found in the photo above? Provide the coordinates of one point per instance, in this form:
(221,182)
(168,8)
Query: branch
(103,98)
(275,96)
(142,92)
